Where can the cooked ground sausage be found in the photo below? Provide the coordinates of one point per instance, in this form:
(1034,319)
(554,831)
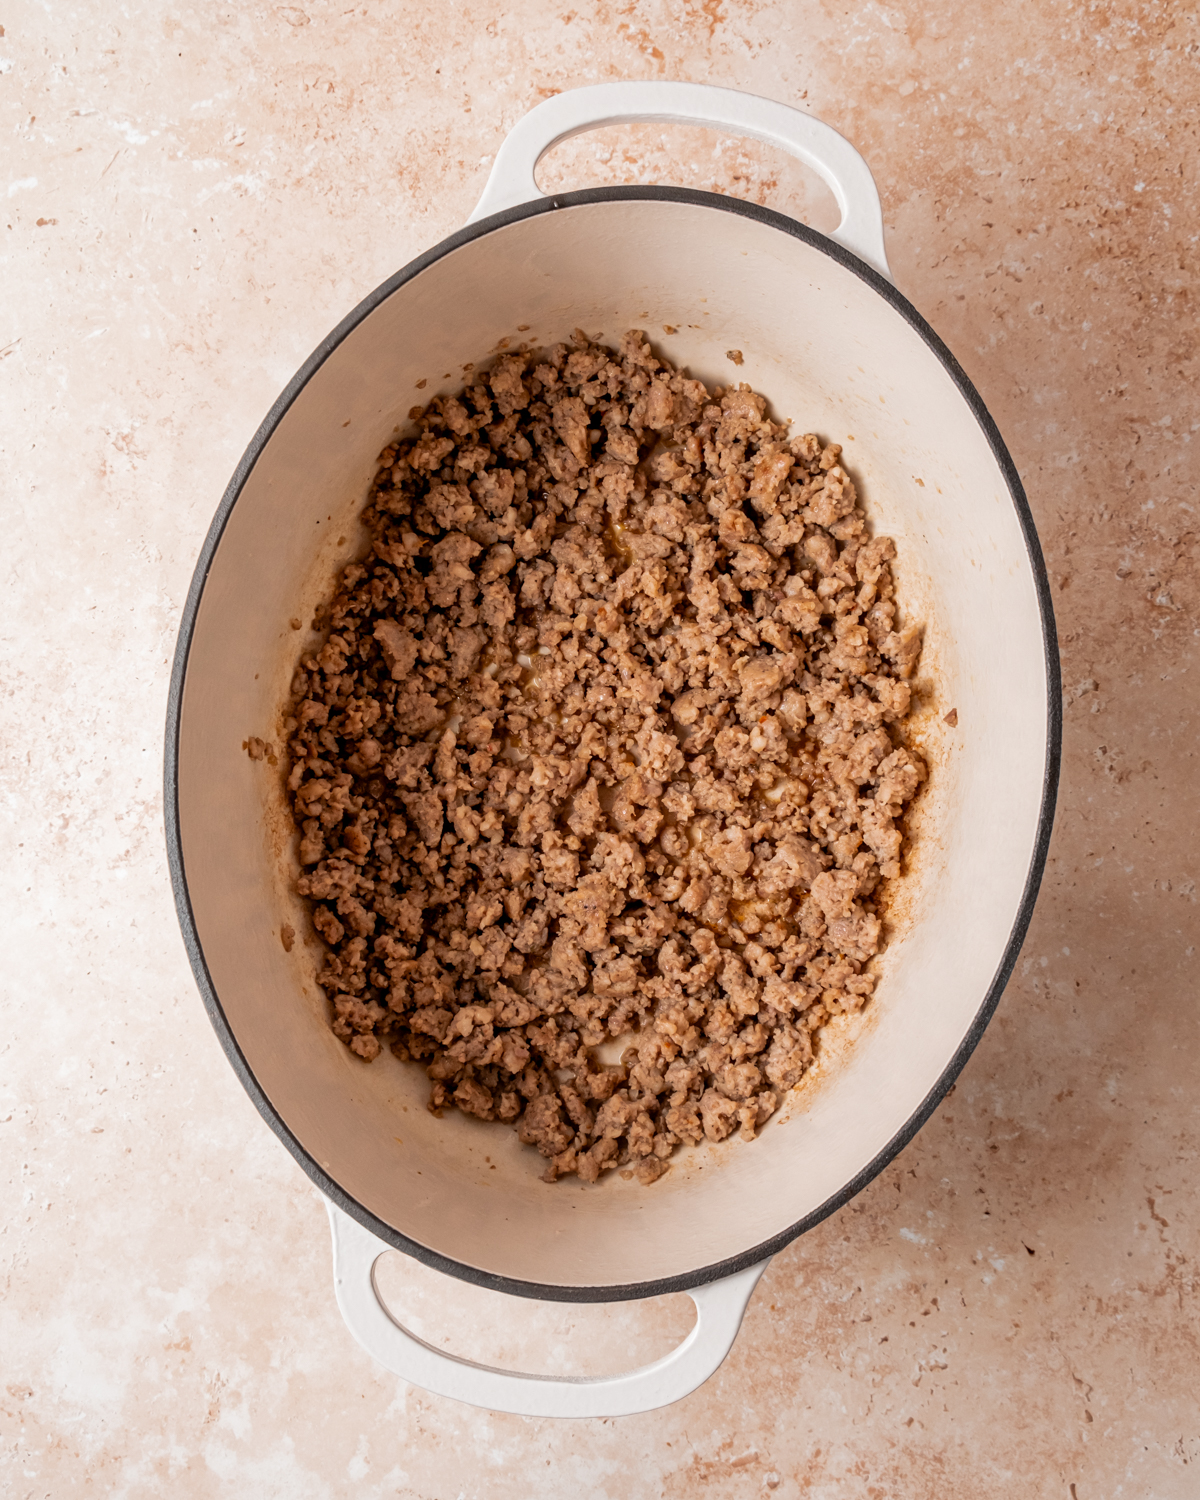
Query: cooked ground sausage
(604,741)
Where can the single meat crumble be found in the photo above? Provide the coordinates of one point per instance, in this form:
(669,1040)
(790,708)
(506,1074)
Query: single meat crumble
(604,744)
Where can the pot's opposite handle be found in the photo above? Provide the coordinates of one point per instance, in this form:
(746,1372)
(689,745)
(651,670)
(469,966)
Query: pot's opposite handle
(816,144)
(719,1310)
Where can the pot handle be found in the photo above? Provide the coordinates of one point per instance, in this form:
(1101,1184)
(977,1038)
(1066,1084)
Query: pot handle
(816,144)
(719,1310)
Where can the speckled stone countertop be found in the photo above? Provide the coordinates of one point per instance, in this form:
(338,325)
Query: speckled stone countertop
(192,196)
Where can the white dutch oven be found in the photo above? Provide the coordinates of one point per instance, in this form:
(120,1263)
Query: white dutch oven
(835,346)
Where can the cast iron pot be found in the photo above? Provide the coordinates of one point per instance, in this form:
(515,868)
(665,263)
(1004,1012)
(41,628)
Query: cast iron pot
(835,346)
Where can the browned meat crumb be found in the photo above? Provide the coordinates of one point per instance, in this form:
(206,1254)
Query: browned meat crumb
(287,936)
(258,749)
(735,355)
(603,743)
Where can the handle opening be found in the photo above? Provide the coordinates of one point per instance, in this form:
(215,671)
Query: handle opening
(563,1340)
(702,157)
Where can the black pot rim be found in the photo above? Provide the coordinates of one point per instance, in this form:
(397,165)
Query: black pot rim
(759,1252)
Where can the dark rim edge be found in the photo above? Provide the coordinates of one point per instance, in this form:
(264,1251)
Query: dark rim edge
(716,1272)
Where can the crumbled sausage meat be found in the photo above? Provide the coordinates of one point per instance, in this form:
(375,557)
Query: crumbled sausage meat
(605,741)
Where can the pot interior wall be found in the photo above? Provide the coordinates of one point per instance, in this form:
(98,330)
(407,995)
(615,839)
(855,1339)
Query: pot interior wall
(835,357)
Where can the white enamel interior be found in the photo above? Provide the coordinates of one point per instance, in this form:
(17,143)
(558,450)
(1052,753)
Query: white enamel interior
(833,355)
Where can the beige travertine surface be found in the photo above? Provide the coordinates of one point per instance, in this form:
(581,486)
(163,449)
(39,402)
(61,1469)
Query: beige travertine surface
(192,196)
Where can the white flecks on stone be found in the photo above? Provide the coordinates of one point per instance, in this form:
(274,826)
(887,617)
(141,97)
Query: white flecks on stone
(130,132)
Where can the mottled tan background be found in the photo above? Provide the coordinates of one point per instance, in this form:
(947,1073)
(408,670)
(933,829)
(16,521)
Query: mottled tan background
(191,197)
